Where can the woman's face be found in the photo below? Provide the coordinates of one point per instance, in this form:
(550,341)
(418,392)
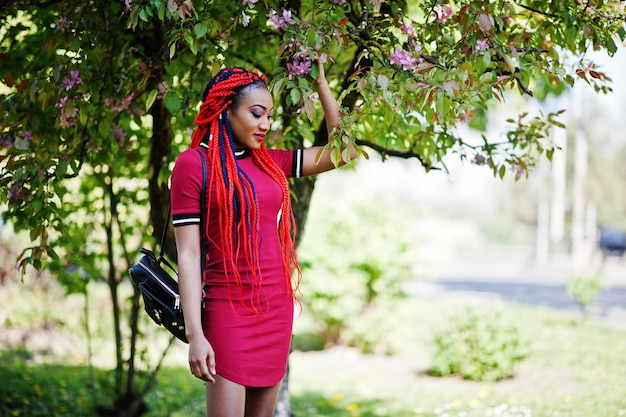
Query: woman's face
(250,118)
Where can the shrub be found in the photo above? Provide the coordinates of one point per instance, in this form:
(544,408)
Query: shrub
(584,289)
(355,257)
(479,345)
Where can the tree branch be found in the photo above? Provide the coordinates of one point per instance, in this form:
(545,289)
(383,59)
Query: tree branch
(386,153)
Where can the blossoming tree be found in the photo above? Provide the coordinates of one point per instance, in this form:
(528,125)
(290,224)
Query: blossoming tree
(99,97)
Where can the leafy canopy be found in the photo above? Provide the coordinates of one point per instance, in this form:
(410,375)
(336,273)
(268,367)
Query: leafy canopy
(106,92)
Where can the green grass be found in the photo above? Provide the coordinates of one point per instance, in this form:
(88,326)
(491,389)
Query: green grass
(575,369)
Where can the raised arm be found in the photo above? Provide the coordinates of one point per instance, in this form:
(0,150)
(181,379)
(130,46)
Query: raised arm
(332,114)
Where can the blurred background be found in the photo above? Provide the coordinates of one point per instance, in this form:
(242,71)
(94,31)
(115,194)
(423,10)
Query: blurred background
(469,229)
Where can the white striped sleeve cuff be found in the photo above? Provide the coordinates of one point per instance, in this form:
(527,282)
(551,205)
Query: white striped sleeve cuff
(296,168)
(186,219)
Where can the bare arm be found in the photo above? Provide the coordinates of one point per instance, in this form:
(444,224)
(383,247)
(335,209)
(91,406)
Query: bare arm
(201,355)
(332,114)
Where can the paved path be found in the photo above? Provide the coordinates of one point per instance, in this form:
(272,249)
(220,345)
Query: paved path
(514,276)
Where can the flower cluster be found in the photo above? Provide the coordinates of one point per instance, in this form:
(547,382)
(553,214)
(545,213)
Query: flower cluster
(245,18)
(299,67)
(64,23)
(119,134)
(481,45)
(118,106)
(479,159)
(71,80)
(6,142)
(443,13)
(16,192)
(69,114)
(404,58)
(281,22)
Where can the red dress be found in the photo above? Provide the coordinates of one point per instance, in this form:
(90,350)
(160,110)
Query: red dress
(251,348)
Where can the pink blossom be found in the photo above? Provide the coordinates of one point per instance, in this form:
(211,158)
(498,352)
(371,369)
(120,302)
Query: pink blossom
(376,4)
(303,52)
(17,192)
(63,23)
(466,116)
(273,19)
(404,58)
(589,65)
(506,20)
(281,22)
(119,134)
(27,135)
(409,30)
(162,88)
(299,67)
(416,47)
(128,4)
(478,159)
(65,118)
(249,3)
(61,103)
(287,17)
(245,19)
(6,142)
(443,14)
(71,80)
(68,119)
(481,45)
(118,107)
(340,1)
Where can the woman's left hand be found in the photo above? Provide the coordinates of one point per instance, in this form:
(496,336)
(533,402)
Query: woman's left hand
(321,76)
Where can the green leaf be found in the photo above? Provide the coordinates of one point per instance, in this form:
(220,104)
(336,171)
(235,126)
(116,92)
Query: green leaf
(278,87)
(200,29)
(143,15)
(172,50)
(152,95)
(295,96)
(104,128)
(172,102)
(61,169)
(383,81)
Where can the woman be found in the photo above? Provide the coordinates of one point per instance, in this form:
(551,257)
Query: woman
(239,331)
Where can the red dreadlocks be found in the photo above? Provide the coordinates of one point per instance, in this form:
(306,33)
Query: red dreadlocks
(236,198)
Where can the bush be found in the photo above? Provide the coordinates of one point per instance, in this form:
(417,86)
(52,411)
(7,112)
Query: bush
(354,258)
(479,346)
(584,289)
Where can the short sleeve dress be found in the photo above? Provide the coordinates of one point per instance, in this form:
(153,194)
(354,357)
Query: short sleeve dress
(251,348)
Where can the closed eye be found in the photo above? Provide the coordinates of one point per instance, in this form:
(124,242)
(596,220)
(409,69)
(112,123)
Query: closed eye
(259,115)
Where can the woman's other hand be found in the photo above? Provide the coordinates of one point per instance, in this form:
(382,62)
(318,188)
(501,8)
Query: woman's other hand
(202,359)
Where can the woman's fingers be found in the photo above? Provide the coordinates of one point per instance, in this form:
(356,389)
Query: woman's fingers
(202,361)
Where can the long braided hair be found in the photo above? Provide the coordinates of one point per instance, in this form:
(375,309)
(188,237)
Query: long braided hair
(237,216)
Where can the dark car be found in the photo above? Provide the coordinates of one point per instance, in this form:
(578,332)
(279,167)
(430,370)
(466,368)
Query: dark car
(612,242)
